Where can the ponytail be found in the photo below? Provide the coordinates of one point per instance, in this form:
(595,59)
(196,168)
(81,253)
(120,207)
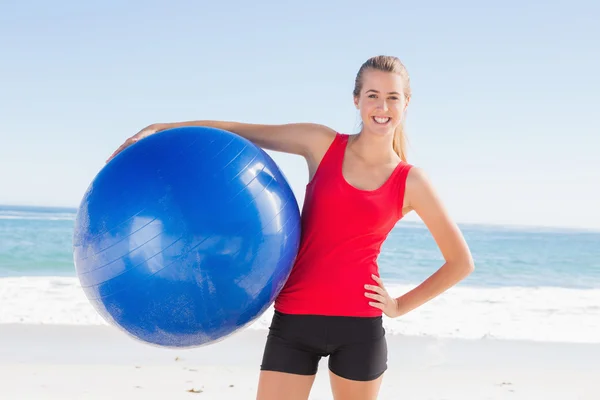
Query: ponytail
(399,142)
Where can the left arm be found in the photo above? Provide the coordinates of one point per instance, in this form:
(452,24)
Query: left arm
(421,197)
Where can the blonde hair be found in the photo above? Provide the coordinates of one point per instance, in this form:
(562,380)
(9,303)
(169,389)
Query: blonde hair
(394,65)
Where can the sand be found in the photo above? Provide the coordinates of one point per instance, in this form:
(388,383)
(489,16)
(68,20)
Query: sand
(99,362)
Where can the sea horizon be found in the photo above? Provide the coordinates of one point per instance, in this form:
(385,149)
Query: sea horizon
(408,220)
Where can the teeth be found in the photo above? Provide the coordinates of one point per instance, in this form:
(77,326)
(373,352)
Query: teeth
(381,120)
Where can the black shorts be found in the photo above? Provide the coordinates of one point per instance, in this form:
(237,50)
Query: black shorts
(356,346)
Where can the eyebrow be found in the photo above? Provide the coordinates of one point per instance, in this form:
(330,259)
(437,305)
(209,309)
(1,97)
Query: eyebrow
(376,91)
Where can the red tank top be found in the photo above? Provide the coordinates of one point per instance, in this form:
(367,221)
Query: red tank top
(343,229)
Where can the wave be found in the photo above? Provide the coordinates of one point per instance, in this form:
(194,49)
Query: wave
(37,214)
(39,217)
(511,313)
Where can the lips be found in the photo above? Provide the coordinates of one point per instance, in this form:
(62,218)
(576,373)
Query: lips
(381,120)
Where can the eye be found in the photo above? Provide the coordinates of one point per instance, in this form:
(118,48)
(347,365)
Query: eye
(372,96)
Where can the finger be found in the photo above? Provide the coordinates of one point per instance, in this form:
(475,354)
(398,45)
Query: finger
(377,297)
(377,289)
(376,305)
(120,149)
(377,279)
(117,151)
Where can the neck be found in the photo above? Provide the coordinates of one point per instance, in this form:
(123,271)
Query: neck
(374,149)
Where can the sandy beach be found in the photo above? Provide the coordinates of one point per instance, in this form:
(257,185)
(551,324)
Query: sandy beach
(99,362)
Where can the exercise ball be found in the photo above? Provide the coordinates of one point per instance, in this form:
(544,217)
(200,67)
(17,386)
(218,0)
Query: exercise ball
(186,236)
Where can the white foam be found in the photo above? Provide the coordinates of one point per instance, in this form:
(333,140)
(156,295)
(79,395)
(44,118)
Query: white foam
(36,216)
(45,300)
(540,314)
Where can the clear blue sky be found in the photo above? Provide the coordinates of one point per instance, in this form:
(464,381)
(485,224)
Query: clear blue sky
(504,114)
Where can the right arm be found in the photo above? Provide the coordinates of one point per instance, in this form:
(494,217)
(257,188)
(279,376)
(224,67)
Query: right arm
(308,140)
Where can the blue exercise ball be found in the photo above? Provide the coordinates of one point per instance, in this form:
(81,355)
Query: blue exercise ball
(186,236)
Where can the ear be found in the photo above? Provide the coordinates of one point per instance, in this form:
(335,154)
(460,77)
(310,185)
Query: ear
(356,102)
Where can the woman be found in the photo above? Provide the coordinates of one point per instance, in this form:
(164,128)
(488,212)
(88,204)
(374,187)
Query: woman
(359,187)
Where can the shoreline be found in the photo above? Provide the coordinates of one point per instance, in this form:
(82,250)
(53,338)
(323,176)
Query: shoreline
(101,362)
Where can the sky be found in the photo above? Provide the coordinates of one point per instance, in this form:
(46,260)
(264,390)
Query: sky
(503,117)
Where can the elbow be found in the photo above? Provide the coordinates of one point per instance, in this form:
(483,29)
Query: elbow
(463,267)
(467,266)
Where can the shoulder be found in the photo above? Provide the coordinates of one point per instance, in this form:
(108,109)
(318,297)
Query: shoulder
(316,130)
(322,138)
(416,176)
(325,135)
(419,188)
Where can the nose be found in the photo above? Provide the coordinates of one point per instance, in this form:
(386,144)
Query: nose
(383,105)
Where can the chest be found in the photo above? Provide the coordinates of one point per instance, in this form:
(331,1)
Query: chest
(363,176)
(335,203)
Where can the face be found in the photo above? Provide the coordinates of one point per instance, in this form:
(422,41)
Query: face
(381,102)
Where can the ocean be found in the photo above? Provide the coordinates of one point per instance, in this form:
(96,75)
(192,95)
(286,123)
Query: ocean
(539,284)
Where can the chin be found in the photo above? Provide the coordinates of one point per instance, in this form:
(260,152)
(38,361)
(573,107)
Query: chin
(380,130)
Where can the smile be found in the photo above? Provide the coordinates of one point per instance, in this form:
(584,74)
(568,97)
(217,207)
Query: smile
(381,120)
